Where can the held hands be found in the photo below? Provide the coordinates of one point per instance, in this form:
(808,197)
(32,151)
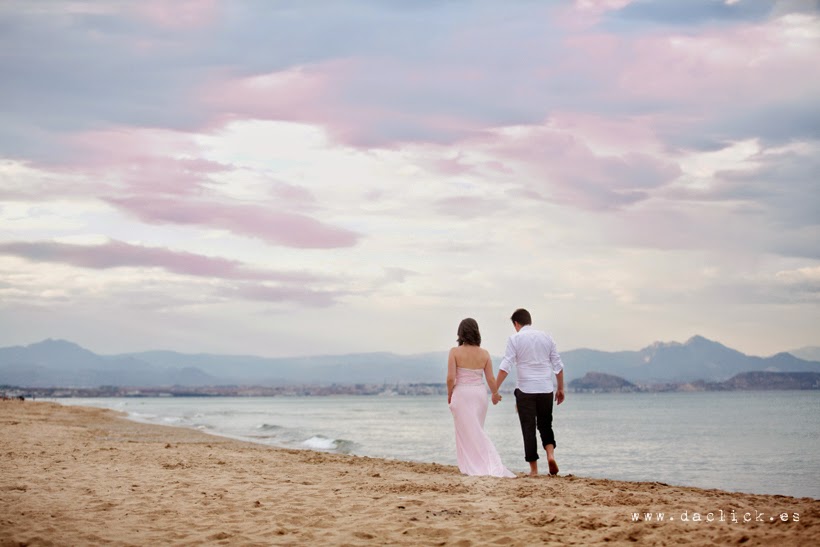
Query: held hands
(559,396)
(496,398)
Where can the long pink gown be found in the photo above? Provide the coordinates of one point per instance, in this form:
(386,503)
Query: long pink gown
(475,452)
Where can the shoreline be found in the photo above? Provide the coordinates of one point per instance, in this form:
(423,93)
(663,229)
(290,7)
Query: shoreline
(271,423)
(521,474)
(79,475)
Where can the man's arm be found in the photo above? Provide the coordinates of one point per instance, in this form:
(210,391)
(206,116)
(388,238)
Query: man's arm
(558,369)
(559,396)
(506,363)
(502,375)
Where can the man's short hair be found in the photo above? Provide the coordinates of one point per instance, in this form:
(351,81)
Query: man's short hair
(521,316)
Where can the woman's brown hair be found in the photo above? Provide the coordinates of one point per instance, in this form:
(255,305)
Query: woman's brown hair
(468,333)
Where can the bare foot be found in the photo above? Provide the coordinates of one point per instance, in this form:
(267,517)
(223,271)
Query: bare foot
(553,467)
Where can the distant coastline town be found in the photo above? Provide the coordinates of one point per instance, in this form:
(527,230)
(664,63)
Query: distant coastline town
(226,391)
(592,382)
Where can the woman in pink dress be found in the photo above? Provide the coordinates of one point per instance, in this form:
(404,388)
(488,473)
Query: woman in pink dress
(468,400)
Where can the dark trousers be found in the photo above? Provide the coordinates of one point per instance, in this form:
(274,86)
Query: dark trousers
(535,412)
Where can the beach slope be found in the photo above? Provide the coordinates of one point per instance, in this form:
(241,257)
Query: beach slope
(80,476)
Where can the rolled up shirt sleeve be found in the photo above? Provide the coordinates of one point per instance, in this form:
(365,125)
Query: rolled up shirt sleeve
(509,357)
(555,360)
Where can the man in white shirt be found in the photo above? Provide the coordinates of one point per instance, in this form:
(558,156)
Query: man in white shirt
(536,356)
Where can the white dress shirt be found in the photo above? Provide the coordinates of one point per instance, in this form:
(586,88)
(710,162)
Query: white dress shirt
(535,355)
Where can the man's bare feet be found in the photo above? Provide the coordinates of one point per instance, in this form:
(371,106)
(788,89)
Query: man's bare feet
(533,469)
(550,448)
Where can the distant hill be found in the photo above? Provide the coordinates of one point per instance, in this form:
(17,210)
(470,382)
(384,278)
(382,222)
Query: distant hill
(61,363)
(696,359)
(597,381)
(326,369)
(745,381)
(52,363)
(773,380)
(809,353)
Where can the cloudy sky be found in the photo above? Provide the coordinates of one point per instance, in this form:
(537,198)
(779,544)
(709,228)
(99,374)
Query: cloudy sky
(292,178)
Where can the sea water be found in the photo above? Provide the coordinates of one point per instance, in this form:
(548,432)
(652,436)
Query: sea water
(764,442)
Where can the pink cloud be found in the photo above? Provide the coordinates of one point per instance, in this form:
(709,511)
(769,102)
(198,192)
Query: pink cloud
(278,227)
(243,281)
(290,193)
(296,94)
(176,15)
(582,15)
(461,164)
(116,254)
(358,101)
(610,132)
(707,70)
(590,161)
(570,172)
(585,161)
(159,177)
(104,147)
(141,160)
(150,162)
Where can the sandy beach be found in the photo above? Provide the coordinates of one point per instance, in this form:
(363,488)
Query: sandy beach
(84,476)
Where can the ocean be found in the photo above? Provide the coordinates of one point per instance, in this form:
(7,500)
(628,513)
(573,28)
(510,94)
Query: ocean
(764,442)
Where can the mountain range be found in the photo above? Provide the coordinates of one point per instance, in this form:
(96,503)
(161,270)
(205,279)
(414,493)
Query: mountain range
(809,353)
(59,363)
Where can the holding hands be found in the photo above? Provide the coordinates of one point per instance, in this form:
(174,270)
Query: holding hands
(496,398)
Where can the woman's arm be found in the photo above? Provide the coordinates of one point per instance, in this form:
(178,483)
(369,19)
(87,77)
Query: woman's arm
(488,374)
(451,375)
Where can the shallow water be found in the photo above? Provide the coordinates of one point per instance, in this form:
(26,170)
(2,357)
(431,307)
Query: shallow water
(757,442)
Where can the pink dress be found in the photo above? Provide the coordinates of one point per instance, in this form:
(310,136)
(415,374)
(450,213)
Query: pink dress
(475,452)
